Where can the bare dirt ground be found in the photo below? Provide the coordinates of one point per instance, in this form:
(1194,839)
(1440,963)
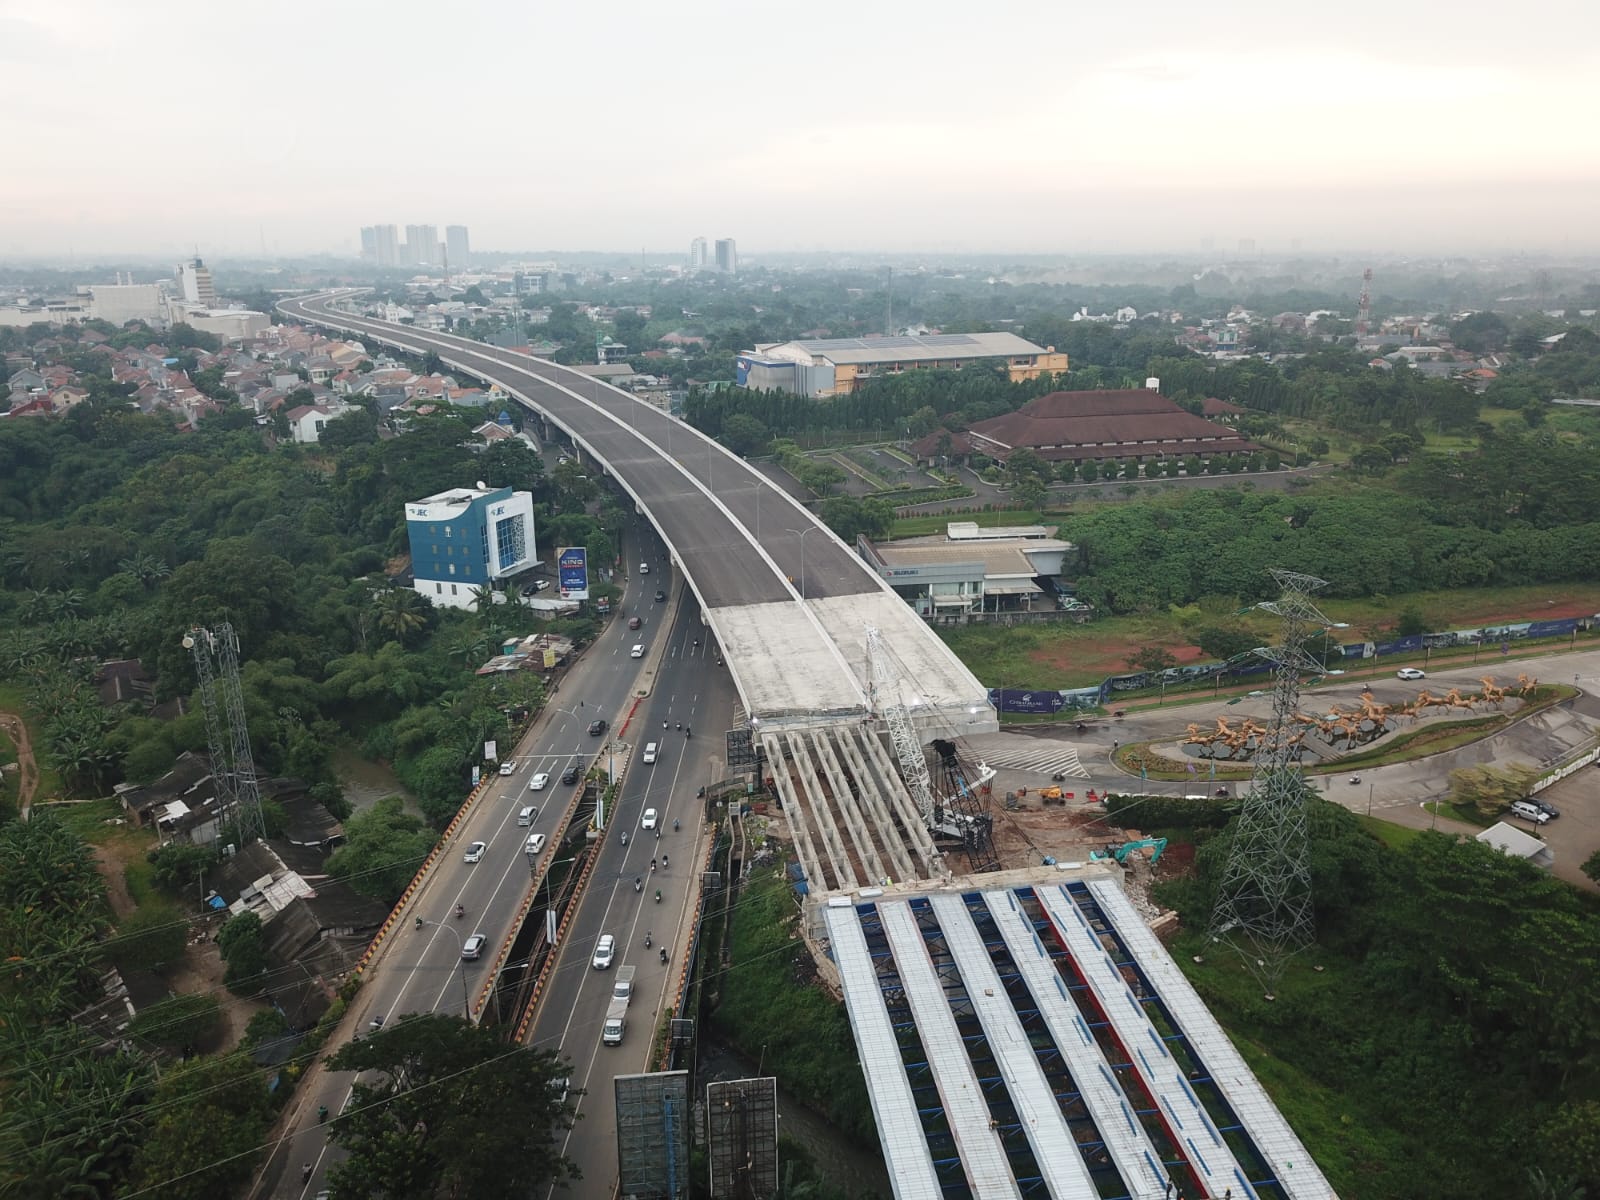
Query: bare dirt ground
(113,871)
(28,783)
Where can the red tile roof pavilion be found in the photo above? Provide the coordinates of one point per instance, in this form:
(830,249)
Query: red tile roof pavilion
(1081,426)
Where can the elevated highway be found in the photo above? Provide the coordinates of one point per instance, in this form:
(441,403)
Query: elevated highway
(787,602)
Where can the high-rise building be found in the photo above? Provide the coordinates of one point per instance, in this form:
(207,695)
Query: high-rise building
(194,283)
(727,256)
(387,238)
(422,245)
(697,254)
(456,245)
(369,243)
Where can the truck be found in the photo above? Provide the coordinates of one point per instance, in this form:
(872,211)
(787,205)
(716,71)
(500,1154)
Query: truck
(622,985)
(617,1009)
(616,1022)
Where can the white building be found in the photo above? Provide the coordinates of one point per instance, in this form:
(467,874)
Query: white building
(971,572)
(194,284)
(697,254)
(229,324)
(307,422)
(727,256)
(124,302)
(469,538)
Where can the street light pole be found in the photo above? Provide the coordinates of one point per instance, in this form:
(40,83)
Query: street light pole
(803,532)
(461,942)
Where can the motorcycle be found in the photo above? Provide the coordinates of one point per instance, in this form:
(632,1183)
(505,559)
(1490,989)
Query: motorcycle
(460,912)
(663,954)
(638,884)
(624,837)
(1058,777)
(419,922)
(658,895)
(687,732)
(647,939)
(677,725)
(674,825)
(663,862)
(322,1114)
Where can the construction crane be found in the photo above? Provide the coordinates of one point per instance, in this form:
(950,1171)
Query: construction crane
(954,811)
(216,665)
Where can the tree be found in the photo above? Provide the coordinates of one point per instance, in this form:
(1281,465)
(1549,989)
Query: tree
(1490,789)
(1225,641)
(207,1124)
(746,435)
(1152,659)
(180,866)
(178,1022)
(1088,470)
(402,613)
(384,847)
(1591,866)
(1029,493)
(244,948)
(440,1106)
(153,936)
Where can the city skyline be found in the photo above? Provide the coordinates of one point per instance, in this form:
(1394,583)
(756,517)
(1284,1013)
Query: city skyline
(1269,127)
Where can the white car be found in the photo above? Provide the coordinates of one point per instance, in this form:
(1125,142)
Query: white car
(536,784)
(508,768)
(475,852)
(1410,673)
(648,821)
(604,950)
(637,652)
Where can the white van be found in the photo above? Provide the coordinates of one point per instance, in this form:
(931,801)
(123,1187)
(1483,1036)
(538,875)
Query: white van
(1529,812)
(650,752)
(535,844)
(526,816)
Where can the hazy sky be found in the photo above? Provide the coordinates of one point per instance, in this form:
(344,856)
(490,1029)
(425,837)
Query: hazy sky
(1049,126)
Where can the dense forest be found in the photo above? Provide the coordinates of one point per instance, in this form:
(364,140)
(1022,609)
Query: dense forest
(118,532)
(1520,510)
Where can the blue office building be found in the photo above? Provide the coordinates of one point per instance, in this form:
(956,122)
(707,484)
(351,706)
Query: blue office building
(466,538)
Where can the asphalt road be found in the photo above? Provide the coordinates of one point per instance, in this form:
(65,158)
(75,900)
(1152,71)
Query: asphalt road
(658,459)
(690,690)
(421,970)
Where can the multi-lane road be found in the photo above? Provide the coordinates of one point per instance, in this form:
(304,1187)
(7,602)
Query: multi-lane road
(421,970)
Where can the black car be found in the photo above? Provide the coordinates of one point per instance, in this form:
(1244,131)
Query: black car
(570,775)
(597,727)
(1544,806)
(660,596)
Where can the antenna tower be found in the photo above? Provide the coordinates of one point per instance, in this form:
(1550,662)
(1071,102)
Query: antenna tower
(1364,309)
(1263,906)
(216,664)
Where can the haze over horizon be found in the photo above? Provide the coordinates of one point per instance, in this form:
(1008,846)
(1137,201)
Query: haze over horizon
(1033,127)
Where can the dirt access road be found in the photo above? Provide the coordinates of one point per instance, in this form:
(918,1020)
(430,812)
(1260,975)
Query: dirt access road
(28,767)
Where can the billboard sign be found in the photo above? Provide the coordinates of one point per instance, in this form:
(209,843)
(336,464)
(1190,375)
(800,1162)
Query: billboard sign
(1013,700)
(572,568)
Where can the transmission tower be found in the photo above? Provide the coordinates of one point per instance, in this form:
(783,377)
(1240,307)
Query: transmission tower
(1364,308)
(216,664)
(1263,905)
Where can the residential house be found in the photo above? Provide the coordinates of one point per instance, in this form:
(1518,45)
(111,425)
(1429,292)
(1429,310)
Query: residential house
(307,422)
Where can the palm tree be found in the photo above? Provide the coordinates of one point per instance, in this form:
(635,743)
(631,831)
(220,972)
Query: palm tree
(146,568)
(483,598)
(402,613)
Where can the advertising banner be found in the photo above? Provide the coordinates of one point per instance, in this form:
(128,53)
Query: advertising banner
(572,567)
(1014,700)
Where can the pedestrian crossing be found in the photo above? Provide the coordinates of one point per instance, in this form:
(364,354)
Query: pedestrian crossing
(1028,754)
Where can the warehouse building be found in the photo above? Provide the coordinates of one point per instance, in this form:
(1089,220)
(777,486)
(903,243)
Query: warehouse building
(968,573)
(834,366)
